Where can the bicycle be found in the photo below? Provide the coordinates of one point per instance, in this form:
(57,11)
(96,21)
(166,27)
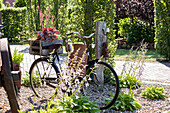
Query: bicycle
(44,74)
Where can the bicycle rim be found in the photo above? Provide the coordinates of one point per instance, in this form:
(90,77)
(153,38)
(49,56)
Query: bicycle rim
(43,78)
(103,93)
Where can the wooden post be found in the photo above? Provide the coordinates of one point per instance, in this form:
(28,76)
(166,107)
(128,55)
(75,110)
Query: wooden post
(100,37)
(8,79)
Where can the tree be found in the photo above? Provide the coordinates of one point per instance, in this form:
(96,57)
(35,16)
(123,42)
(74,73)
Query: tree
(142,9)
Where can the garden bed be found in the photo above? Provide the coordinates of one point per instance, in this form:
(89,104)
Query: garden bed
(26,98)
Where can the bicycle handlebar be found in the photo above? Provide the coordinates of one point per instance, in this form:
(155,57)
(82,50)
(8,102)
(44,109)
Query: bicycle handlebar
(80,35)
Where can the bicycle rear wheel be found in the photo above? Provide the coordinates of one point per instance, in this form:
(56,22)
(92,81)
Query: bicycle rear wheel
(43,77)
(104,94)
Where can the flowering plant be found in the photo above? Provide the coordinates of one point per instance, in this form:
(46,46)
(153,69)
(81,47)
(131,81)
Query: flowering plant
(48,34)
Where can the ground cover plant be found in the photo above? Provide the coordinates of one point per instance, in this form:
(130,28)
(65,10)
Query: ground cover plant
(126,102)
(154,92)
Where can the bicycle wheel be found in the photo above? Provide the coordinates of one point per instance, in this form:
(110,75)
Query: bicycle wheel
(43,77)
(104,94)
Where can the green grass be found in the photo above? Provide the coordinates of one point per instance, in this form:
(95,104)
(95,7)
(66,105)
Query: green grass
(151,55)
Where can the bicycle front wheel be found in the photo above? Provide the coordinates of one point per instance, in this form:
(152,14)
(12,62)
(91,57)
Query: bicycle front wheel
(43,77)
(104,89)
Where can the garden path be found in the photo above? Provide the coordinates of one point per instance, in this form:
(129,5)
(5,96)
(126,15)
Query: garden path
(154,72)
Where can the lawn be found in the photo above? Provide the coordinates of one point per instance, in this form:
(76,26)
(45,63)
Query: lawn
(151,55)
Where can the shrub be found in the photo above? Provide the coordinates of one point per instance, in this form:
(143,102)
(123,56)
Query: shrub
(136,31)
(153,92)
(126,102)
(19,3)
(13,22)
(162,27)
(129,81)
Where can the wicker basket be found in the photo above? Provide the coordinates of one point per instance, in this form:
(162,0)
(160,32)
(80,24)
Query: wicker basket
(37,47)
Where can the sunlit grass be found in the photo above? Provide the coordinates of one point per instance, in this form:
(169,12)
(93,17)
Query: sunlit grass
(151,55)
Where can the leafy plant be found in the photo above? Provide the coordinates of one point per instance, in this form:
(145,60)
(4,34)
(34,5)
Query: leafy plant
(73,104)
(133,68)
(84,105)
(153,92)
(126,102)
(17,58)
(26,80)
(129,81)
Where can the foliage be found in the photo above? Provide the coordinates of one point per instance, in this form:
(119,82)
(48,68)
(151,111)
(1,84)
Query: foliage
(126,102)
(74,104)
(162,26)
(135,31)
(17,58)
(1,4)
(84,105)
(72,15)
(143,9)
(153,92)
(133,68)
(112,47)
(19,3)
(26,80)
(13,22)
(129,81)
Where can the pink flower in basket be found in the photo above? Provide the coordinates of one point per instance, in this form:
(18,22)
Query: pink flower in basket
(48,35)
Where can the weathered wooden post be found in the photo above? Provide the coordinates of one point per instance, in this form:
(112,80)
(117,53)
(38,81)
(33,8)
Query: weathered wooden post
(6,77)
(100,38)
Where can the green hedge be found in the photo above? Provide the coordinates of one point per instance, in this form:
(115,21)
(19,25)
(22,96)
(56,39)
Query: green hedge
(162,25)
(136,31)
(13,20)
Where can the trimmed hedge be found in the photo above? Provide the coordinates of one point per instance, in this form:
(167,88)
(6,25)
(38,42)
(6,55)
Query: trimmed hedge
(13,20)
(162,25)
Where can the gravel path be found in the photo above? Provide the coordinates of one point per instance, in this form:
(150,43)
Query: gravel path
(26,98)
(155,73)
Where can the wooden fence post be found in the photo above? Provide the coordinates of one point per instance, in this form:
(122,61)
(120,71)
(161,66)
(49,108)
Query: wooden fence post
(8,79)
(100,38)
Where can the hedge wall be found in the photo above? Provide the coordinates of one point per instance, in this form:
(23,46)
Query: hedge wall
(13,20)
(162,25)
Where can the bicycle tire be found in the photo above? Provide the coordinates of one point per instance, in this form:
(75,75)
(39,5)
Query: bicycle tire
(45,87)
(97,91)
